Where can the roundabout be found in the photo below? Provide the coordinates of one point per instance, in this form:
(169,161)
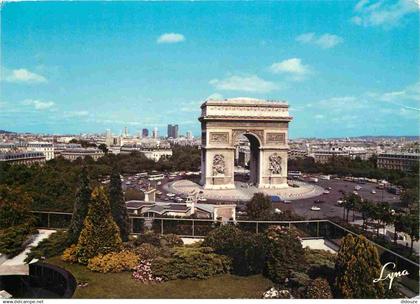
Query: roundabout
(243,191)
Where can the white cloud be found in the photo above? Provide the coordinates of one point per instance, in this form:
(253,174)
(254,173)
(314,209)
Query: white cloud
(250,83)
(170,38)
(383,13)
(407,98)
(39,104)
(325,41)
(22,76)
(293,67)
(77,113)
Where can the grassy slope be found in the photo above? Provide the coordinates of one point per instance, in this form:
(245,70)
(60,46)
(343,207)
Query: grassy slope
(121,285)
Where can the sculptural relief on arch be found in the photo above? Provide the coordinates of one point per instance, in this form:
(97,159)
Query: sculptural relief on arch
(264,123)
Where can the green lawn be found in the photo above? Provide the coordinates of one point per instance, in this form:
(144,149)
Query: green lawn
(121,285)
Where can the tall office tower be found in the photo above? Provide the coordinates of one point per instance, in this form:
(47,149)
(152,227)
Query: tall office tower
(145,132)
(189,135)
(173,131)
(125,132)
(155,134)
(108,138)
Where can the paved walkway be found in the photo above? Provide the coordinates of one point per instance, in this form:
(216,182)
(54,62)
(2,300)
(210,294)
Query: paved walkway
(16,265)
(243,192)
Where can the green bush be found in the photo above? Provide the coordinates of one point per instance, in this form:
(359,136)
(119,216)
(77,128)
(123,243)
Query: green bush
(114,262)
(320,263)
(190,262)
(149,238)
(284,254)
(319,289)
(244,248)
(166,240)
(147,251)
(54,245)
(170,240)
(70,254)
(14,239)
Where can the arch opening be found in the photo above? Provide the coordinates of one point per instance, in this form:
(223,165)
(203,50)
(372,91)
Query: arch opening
(247,159)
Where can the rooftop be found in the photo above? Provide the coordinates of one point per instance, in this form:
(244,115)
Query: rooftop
(245,101)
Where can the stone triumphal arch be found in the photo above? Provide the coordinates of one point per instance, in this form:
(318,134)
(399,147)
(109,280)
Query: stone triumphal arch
(264,123)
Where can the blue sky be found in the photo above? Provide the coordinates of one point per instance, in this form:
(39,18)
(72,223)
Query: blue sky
(346,68)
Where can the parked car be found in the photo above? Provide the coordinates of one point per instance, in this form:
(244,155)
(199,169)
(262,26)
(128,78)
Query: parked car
(315,208)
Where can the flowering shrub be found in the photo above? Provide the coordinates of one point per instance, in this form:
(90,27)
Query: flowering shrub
(70,254)
(143,273)
(274,293)
(114,262)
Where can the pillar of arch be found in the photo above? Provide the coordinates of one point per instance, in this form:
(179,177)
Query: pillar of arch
(264,123)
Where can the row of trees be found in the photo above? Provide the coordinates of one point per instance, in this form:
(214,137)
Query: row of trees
(381,214)
(344,166)
(53,186)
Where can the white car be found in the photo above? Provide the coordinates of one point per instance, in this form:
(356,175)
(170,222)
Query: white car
(339,202)
(315,208)
(170,195)
(277,210)
(326,192)
(373,192)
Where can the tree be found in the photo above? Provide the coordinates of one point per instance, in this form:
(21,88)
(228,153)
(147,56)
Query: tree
(381,212)
(410,198)
(103,147)
(246,249)
(412,229)
(356,267)
(81,207)
(284,254)
(100,234)
(400,225)
(118,208)
(258,207)
(14,207)
(363,208)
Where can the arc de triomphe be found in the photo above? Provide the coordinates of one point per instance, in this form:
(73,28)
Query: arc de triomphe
(264,123)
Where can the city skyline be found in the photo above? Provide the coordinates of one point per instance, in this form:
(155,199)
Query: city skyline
(103,65)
